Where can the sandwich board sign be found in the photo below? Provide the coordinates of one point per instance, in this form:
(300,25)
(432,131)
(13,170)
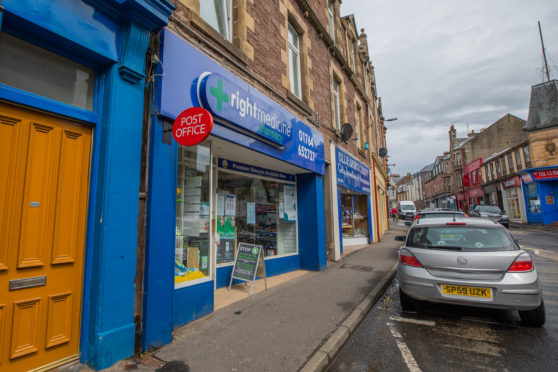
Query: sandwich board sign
(248,264)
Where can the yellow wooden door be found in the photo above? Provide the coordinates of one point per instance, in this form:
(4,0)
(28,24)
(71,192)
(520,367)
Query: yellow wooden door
(44,178)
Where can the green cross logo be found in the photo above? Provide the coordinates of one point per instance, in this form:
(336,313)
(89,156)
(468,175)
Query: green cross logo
(254,250)
(218,93)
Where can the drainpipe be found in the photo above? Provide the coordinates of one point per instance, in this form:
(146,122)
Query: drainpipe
(376,198)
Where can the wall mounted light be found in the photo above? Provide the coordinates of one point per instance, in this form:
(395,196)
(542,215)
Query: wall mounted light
(366,145)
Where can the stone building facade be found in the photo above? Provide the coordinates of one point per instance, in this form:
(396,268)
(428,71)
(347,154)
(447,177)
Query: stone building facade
(298,184)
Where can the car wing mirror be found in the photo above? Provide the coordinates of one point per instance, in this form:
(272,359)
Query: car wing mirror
(400,238)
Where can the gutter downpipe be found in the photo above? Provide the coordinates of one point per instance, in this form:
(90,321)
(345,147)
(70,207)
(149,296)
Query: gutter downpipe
(376,198)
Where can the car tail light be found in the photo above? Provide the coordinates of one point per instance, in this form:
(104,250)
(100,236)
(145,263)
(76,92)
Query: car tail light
(455,223)
(465,215)
(407,258)
(523,263)
(416,217)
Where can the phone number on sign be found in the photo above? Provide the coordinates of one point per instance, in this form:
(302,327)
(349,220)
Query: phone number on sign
(306,153)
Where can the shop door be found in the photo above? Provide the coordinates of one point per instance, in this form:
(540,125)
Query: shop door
(44,176)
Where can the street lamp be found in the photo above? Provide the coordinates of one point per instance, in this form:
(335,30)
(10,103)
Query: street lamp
(390,119)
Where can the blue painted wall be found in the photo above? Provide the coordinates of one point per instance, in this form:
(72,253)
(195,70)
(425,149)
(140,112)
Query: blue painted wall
(549,211)
(311,221)
(82,31)
(193,302)
(160,235)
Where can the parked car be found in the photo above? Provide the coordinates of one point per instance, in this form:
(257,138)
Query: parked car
(492,212)
(406,209)
(469,261)
(439,213)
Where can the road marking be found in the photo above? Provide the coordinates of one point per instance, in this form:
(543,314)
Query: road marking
(414,321)
(405,352)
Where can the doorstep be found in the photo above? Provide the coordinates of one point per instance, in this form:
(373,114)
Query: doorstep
(239,292)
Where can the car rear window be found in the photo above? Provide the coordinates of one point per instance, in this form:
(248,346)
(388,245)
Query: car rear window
(463,238)
(407,208)
(488,209)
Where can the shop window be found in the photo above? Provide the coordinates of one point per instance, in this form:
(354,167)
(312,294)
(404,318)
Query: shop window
(518,159)
(533,197)
(294,62)
(527,156)
(336,107)
(510,162)
(354,218)
(256,211)
(217,13)
(331,20)
(512,203)
(30,68)
(192,253)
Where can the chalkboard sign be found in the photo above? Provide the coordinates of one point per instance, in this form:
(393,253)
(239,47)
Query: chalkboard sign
(249,262)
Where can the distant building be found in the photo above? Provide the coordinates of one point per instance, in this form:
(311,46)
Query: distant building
(540,178)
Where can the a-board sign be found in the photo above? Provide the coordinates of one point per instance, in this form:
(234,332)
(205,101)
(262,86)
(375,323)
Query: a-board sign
(249,262)
(192,126)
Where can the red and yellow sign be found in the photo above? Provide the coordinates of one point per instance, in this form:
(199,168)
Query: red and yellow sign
(192,126)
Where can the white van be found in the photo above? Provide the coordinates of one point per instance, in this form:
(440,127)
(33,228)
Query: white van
(406,209)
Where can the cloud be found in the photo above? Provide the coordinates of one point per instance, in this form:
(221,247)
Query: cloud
(466,63)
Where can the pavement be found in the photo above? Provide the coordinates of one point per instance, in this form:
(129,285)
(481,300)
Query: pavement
(296,325)
(534,227)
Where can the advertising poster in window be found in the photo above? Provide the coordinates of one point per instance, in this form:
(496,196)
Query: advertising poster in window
(250,213)
(289,203)
(230,205)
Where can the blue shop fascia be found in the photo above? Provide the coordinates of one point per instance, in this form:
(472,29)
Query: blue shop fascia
(540,187)
(258,178)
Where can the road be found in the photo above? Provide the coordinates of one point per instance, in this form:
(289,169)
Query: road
(455,338)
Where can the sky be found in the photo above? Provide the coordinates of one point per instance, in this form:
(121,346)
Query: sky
(466,63)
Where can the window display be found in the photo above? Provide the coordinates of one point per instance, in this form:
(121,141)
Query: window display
(255,211)
(192,254)
(533,196)
(354,217)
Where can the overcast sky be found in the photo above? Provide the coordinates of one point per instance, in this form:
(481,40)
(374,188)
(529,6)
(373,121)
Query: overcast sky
(441,62)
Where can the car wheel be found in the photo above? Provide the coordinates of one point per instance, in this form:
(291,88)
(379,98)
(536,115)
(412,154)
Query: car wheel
(407,303)
(535,317)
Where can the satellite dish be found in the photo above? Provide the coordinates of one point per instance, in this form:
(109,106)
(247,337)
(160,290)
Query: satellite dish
(346,132)
(382,152)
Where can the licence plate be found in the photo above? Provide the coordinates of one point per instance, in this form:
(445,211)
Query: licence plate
(459,290)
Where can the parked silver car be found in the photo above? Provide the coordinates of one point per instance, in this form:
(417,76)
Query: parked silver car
(491,211)
(468,261)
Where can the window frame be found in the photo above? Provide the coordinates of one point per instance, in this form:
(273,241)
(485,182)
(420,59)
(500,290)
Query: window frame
(510,163)
(527,156)
(518,161)
(336,103)
(331,13)
(227,15)
(294,50)
(293,183)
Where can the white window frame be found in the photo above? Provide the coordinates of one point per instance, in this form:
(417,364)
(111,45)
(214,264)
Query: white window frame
(331,20)
(352,51)
(358,127)
(337,113)
(226,6)
(295,75)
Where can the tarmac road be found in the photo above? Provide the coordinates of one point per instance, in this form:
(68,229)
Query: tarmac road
(444,337)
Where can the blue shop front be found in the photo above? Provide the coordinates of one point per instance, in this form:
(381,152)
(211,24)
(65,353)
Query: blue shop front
(258,178)
(540,186)
(353,200)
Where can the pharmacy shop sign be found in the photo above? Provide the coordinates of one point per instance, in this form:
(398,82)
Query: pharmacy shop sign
(192,126)
(351,173)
